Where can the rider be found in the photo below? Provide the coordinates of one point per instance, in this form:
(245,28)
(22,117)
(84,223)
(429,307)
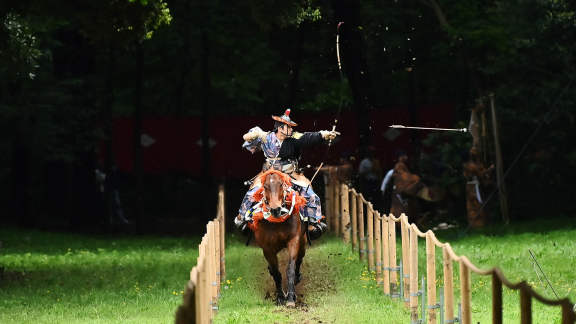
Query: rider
(282,150)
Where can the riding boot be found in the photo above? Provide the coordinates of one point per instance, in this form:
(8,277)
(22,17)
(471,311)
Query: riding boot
(241,224)
(316,230)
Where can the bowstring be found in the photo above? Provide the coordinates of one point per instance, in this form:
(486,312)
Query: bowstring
(340,104)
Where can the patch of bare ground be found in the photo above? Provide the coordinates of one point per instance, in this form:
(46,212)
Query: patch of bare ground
(315,280)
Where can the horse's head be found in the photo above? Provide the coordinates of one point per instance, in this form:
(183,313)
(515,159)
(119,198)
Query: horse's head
(274,193)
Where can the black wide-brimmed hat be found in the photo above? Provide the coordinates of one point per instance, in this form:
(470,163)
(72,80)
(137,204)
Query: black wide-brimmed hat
(285,119)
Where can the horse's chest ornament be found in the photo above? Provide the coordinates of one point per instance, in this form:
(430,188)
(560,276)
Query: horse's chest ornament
(291,206)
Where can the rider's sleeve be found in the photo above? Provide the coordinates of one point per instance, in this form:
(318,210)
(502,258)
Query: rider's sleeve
(310,139)
(254,145)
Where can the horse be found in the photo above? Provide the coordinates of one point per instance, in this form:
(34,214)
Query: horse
(276,225)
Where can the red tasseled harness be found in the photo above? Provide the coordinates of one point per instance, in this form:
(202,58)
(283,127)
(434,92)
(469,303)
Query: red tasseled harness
(292,201)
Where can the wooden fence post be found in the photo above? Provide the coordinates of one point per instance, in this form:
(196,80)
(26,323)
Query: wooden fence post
(222,234)
(448,285)
(393,259)
(354,219)
(431,277)
(404,232)
(194,294)
(214,283)
(465,292)
(496,299)
(386,254)
(525,305)
(378,249)
(336,216)
(413,273)
(217,267)
(328,194)
(370,223)
(345,208)
(362,237)
(202,291)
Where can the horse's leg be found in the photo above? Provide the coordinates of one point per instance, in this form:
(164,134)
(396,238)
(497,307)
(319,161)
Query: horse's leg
(299,258)
(272,259)
(293,251)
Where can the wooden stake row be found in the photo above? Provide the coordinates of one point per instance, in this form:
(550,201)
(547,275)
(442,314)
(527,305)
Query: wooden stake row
(202,291)
(354,219)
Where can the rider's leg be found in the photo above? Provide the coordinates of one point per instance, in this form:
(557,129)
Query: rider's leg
(240,220)
(313,211)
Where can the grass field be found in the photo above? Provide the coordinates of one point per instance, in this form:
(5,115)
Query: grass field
(339,289)
(69,278)
(336,289)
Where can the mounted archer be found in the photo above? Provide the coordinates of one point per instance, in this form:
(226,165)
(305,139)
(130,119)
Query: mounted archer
(282,149)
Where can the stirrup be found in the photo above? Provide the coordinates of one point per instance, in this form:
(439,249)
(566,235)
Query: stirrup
(319,228)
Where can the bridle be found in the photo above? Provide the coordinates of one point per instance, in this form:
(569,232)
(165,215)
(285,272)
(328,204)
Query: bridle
(284,212)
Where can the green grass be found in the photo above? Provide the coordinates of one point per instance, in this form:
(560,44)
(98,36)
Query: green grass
(66,278)
(335,289)
(554,245)
(340,290)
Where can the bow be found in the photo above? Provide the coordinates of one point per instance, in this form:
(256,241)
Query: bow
(339,105)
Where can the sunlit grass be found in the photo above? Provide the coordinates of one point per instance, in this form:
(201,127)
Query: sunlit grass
(343,291)
(336,289)
(66,278)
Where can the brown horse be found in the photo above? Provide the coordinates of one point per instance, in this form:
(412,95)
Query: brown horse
(277,225)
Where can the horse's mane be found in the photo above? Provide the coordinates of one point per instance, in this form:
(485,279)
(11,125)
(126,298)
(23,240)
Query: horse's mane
(258,194)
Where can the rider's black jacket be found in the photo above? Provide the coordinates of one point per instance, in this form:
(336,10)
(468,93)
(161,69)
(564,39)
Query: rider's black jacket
(291,148)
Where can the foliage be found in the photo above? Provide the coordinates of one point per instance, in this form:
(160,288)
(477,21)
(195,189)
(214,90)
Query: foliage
(256,57)
(19,55)
(443,156)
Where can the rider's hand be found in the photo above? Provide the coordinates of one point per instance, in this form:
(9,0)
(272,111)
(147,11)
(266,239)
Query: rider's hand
(329,135)
(250,136)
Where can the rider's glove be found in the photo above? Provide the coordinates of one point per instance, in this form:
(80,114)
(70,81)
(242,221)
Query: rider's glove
(329,135)
(254,134)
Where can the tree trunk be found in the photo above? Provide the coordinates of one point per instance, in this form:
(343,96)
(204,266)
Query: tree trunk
(137,145)
(295,68)
(175,105)
(206,89)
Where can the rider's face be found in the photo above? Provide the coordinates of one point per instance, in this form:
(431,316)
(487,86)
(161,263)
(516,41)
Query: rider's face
(286,130)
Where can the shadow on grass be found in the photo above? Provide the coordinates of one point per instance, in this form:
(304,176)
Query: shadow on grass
(56,243)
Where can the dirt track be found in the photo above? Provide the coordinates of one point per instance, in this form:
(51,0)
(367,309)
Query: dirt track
(314,282)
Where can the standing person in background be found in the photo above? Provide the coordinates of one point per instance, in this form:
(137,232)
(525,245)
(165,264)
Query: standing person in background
(386,189)
(369,174)
(477,176)
(406,187)
(343,171)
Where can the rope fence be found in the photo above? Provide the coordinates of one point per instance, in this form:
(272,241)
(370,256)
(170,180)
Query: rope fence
(354,219)
(200,300)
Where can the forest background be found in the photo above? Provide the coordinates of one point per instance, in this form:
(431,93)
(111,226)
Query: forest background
(69,70)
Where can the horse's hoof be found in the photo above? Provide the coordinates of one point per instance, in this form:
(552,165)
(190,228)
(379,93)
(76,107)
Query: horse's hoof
(280,301)
(290,304)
